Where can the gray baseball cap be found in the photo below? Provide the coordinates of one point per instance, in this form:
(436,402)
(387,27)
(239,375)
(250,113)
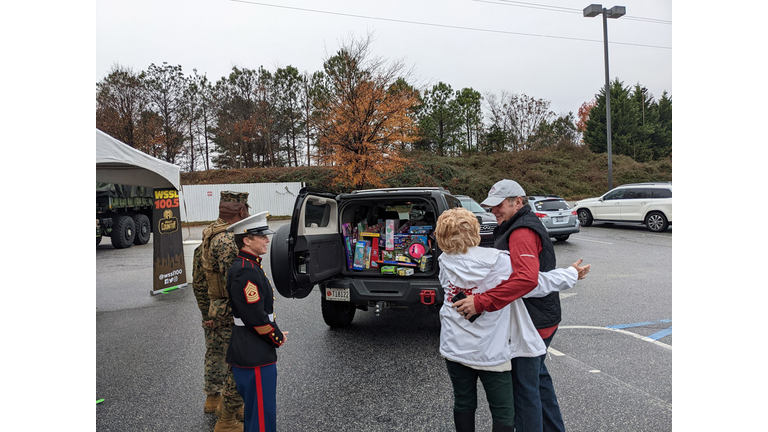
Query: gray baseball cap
(501,190)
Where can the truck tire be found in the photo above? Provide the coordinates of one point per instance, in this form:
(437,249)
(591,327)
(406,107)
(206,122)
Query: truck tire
(143,230)
(337,314)
(123,232)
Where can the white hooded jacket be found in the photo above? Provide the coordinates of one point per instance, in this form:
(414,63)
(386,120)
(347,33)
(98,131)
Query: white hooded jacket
(498,336)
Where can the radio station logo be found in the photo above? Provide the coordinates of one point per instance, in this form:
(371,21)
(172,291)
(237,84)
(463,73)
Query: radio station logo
(168,223)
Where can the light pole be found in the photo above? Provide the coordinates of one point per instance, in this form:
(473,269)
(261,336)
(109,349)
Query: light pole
(591,11)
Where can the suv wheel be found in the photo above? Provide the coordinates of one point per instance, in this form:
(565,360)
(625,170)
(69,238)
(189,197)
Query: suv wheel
(562,237)
(585,217)
(656,222)
(337,314)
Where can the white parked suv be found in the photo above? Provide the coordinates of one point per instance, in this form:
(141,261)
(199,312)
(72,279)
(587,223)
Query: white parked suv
(647,203)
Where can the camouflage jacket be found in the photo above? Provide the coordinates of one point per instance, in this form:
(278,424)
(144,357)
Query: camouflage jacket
(218,252)
(199,285)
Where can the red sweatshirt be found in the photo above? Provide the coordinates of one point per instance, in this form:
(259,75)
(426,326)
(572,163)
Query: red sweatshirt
(524,249)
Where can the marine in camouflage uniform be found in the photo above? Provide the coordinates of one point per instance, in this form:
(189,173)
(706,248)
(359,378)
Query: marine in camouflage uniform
(214,372)
(217,252)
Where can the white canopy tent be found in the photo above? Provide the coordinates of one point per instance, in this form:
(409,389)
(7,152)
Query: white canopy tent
(117,162)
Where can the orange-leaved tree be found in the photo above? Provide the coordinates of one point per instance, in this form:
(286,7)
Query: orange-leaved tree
(584,109)
(365,116)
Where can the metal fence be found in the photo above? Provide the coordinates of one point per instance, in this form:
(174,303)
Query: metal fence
(200,203)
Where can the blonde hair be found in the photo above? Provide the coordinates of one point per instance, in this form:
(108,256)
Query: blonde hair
(457,230)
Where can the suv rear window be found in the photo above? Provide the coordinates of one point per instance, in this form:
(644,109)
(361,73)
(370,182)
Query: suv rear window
(662,193)
(551,205)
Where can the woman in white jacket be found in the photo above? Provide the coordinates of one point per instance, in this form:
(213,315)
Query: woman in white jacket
(483,348)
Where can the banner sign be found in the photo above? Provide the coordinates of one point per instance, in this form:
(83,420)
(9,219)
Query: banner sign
(169,271)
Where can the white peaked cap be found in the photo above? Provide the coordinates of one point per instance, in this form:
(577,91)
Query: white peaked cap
(256,225)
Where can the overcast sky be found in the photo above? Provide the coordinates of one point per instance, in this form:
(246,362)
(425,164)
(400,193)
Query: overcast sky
(543,48)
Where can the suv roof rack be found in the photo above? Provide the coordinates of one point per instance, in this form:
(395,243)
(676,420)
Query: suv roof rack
(407,189)
(669,183)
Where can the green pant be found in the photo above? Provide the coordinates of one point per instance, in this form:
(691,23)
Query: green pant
(218,374)
(497,386)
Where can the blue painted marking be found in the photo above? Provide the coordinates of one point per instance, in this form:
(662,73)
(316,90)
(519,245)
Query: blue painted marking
(660,334)
(640,324)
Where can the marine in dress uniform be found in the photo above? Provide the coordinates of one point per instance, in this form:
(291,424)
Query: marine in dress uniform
(256,336)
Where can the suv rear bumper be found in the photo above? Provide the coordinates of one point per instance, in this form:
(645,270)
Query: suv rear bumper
(396,292)
(562,230)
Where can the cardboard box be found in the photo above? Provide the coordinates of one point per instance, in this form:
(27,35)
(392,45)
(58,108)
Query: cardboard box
(423,229)
(387,255)
(402,240)
(425,263)
(359,261)
(404,271)
(390,228)
(388,269)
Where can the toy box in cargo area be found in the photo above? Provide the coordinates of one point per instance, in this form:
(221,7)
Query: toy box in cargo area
(389,247)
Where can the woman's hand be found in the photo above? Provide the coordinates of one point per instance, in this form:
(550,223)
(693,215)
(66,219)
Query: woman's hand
(583,270)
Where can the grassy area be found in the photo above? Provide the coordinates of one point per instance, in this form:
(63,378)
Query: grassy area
(573,173)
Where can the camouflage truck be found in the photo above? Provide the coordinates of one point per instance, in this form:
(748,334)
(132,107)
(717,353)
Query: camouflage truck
(124,214)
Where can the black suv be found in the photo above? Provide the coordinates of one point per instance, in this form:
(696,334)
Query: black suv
(366,249)
(488,223)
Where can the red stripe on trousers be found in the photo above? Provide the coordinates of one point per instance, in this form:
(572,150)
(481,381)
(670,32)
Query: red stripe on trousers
(259,398)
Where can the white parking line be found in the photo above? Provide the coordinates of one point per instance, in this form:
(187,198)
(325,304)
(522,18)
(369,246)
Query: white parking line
(635,335)
(593,241)
(554,352)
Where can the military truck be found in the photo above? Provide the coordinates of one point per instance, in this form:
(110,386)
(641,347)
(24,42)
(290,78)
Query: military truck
(124,214)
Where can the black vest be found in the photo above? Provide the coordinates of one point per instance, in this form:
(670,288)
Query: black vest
(545,311)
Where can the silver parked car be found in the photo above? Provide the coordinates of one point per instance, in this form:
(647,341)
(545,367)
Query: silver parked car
(559,219)
(489,220)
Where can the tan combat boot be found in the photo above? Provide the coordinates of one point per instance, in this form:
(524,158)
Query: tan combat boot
(228,423)
(211,402)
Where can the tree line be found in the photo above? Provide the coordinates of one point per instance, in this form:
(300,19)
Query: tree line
(360,113)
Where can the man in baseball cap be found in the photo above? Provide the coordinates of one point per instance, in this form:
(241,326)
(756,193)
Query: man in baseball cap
(509,192)
(501,190)
(530,249)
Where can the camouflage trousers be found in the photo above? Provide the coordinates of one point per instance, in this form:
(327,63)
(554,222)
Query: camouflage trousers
(218,374)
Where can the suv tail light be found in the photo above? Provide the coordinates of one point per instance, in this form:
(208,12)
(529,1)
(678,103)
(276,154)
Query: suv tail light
(574,213)
(541,215)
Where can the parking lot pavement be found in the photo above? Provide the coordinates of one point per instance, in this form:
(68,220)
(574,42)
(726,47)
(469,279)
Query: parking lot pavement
(385,373)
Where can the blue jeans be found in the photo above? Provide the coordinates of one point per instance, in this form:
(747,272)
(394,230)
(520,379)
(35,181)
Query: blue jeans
(536,407)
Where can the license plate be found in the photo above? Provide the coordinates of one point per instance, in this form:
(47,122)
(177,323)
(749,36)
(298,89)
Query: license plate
(337,294)
(560,219)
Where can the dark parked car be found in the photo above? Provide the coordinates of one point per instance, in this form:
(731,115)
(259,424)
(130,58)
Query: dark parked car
(559,219)
(489,220)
